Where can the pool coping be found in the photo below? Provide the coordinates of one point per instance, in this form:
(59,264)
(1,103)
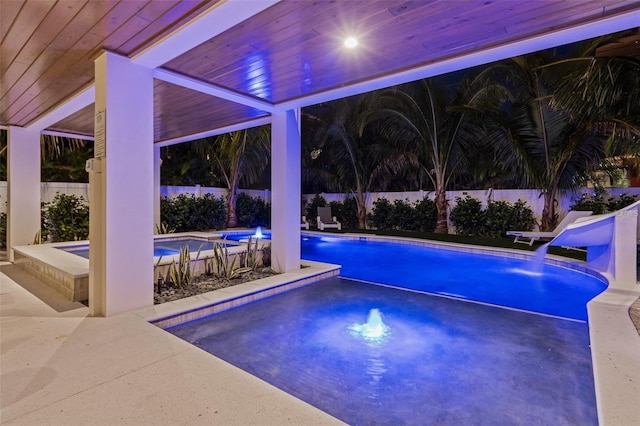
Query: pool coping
(190,308)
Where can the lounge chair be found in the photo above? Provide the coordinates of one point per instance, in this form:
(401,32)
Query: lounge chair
(325,220)
(303,223)
(571,217)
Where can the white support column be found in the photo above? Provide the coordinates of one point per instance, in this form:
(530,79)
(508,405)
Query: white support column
(157,163)
(285,186)
(121,221)
(23,186)
(624,251)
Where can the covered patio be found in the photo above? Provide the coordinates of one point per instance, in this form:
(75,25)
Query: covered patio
(135,76)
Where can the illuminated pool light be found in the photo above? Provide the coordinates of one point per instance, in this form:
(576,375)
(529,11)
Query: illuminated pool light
(374,330)
(350,42)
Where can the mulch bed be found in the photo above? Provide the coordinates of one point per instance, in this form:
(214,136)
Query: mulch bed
(206,283)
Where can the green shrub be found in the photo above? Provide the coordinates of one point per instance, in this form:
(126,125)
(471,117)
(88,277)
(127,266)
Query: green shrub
(501,216)
(402,215)
(467,216)
(381,215)
(522,217)
(425,215)
(252,212)
(494,221)
(601,203)
(346,212)
(66,218)
(189,213)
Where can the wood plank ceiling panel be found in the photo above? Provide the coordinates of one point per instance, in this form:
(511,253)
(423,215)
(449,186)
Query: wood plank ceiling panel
(179,111)
(290,50)
(81,122)
(52,55)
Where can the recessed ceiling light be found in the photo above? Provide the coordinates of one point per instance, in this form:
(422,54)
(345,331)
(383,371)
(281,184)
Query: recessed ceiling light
(350,42)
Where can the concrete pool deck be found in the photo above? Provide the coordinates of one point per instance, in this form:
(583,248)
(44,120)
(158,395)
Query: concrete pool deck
(59,366)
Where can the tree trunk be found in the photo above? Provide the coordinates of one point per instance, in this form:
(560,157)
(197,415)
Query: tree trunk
(232,220)
(549,218)
(362,210)
(441,206)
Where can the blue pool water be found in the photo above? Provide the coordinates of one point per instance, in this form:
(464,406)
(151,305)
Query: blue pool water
(498,280)
(443,361)
(161,247)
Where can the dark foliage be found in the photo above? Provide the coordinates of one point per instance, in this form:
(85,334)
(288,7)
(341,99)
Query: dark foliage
(190,213)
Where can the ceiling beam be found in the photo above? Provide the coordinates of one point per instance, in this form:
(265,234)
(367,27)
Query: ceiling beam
(70,106)
(217,19)
(209,89)
(581,32)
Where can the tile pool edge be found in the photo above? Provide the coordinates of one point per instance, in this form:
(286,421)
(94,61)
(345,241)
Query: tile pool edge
(190,308)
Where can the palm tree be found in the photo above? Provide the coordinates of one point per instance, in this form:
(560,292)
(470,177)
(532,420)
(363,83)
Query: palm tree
(62,158)
(443,129)
(548,148)
(237,157)
(602,90)
(348,153)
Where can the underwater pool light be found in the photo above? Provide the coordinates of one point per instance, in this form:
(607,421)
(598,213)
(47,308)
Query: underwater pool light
(374,330)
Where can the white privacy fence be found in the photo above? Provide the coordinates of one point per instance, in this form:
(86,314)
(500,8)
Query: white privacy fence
(531,196)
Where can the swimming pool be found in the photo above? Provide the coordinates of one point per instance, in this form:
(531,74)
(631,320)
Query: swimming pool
(443,361)
(501,280)
(161,246)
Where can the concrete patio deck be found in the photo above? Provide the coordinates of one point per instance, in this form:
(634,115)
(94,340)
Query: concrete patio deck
(61,367)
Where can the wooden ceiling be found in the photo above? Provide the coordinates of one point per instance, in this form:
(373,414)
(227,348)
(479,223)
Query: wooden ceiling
(287,54)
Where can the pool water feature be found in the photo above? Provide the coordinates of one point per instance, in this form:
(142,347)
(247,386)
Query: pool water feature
(444,361)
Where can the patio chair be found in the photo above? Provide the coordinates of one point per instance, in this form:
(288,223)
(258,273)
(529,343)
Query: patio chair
(571,217)
(325,220)
(303,223)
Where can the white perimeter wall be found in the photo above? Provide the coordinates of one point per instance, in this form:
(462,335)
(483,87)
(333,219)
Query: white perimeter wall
(531,196)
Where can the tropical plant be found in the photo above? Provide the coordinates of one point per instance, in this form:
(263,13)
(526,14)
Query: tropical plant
(381,215)
(502,216)
(223,265)
(252,261)
(163,228)
(568,115)
(252,211)
(443,128)
(237,157)
(190,213)
(348,152)
(180,272)
(63,159)
(467,216)
(403,215)
(494,221)
(346,212)
(65,218)
(601,203)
